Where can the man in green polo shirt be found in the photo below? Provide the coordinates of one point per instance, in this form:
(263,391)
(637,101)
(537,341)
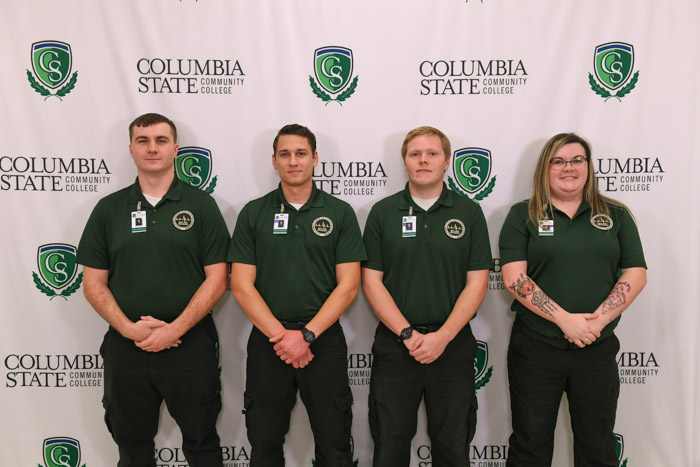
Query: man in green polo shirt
(155,265)
(428,260)
(295,257)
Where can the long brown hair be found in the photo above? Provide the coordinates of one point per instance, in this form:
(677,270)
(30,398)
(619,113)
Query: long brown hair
(540,204)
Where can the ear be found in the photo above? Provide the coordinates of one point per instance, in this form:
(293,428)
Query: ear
(274,161)
(315,158)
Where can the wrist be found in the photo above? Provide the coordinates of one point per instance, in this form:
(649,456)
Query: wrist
(308,335)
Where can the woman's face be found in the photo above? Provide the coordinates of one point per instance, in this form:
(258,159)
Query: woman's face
(567,172)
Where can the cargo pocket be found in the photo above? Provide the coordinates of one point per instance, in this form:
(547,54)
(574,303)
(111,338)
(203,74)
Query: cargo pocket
(108,415)
(247,402)
(373,426)
(344,406)
(471,420)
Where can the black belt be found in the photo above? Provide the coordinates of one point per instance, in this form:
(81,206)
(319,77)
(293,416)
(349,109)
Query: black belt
(426,328)
(294,325)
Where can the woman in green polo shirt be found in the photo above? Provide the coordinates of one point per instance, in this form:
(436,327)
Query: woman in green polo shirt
(573,260)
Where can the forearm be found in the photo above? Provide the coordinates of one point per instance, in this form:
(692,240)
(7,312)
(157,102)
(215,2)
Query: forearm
(201,303)
(625,291)
(102,300)
(467,304)
(524,289)
(348,276)
(382,302)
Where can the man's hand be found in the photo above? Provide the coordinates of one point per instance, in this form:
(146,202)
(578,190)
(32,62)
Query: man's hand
(161,335)
(430,348)
(304,361)
(290,346)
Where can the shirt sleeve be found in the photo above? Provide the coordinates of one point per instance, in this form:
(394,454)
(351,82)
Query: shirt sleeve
(514,237)
(242,247)
(480,246)
(214,234)
(631,253)
(92,249)
(372,238)
(349,248)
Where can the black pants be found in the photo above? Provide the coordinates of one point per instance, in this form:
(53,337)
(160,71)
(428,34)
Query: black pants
(271,393)
(539,373)
(186,377)
(397,385)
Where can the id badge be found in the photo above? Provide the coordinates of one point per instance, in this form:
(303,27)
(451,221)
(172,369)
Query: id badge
(138,221)
(408,226)
(546,228)
(280,225)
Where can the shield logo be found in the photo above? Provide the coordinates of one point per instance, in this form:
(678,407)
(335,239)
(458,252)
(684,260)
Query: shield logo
(481,359)
(333,67)
(56,263)
(193,165)
(472,168)
(613,63)
(51,62)
(61,452)
(619,447)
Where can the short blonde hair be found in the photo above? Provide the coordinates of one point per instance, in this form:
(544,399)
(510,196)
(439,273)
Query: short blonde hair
(426,131)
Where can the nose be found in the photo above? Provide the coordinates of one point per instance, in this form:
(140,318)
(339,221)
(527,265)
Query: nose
(151,147)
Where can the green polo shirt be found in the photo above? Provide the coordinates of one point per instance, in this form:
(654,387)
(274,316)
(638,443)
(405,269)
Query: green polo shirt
(296,270)
(576,267)
(157,271)
(425,274)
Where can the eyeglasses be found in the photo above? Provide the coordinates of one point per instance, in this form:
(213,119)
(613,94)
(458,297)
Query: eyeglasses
(577,162)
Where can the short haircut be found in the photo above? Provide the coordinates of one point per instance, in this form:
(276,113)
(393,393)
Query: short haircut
(426,131)
(295,129)
(151,119)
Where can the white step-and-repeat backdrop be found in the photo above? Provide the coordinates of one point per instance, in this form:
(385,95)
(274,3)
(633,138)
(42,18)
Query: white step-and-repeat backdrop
(499,77)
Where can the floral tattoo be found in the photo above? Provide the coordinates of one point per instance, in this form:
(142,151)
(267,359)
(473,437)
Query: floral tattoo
(523,286)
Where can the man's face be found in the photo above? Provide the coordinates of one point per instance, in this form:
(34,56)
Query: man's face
(294,160)
(153,148)
(426,161)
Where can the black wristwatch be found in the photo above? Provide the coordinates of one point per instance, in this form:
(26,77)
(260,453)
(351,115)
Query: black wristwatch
(309,336)
(406,333)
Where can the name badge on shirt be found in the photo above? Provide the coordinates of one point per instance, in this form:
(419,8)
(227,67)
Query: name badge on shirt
(280,225)
(408,226)
(138,221)
(546,228)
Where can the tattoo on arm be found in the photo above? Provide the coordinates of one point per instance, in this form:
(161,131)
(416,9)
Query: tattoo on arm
(544,303)
(617,297)
(523,286)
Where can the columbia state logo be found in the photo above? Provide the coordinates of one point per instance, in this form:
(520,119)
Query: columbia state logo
(57,269)
(193,165)
(471,168)
(61,452)
(620,449)
(333,70)
(482,375)
(613,64)
(52,62)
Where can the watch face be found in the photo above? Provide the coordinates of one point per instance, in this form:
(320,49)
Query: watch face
(309,336)
(406,333)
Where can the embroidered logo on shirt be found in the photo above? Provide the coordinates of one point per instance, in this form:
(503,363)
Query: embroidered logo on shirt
(454,228)
(183,220)
(322,226)
(602,222)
